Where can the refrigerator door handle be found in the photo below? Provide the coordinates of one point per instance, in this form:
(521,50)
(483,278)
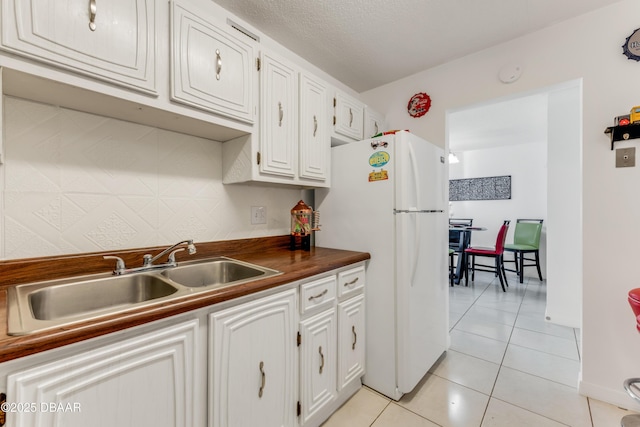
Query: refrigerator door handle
(400,211)
(416,178)
(416,248)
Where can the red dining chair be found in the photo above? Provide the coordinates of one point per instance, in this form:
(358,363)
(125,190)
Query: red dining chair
(631,384)
(497,253)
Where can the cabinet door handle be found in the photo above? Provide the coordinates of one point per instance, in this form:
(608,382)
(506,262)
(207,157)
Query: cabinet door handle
(375,126)
(280,114)
(93,9)
(355,337)
(321,359)
(218,64)
(320,295)
(350,117)
(353,282)
(263,379)
(315,125)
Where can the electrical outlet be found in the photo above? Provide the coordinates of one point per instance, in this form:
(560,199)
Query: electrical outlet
(258,215)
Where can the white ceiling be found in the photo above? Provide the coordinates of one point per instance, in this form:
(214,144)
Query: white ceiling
(368,43)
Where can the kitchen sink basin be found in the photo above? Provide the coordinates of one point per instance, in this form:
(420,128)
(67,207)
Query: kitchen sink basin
(215,273)
(58,302)
(35,307)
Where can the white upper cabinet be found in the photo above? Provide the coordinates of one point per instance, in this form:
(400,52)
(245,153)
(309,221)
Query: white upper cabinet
(293,145)
(348,117)
(211,69)
(373,123)
(278,116)
(112,40)
(315,143)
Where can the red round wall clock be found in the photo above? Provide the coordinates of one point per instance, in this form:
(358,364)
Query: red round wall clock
(419,104)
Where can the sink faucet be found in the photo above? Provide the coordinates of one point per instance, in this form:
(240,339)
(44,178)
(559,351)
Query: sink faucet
(148,260)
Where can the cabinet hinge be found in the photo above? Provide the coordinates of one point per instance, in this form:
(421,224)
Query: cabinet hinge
(258,157)
(299,339)
(258,65)
(299,409)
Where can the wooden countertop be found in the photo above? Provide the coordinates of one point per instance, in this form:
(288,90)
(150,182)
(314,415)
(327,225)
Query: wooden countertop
(272,252)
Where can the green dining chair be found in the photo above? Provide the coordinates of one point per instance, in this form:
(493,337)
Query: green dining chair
(526,240)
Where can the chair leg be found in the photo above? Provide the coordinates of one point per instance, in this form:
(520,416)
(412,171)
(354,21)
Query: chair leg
(521,269)
(473,268)
(451,272)
(465,272)
(504,274)
(499,272)
(538,264)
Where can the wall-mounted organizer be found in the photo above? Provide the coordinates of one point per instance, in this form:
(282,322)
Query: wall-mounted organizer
(622,133)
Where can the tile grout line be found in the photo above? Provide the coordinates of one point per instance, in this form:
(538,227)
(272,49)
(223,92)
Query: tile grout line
(501,365)
(503,356)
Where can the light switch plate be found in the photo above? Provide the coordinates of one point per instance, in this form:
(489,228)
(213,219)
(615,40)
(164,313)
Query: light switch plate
(258,215)
(625,157)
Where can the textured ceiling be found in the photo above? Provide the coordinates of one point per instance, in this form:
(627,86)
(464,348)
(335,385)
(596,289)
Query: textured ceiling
(368,43)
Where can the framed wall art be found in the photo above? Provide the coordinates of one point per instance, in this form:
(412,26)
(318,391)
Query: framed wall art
(488,188)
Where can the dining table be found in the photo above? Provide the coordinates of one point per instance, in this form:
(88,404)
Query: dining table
(464,243)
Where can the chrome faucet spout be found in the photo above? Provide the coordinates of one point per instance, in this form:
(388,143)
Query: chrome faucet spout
(191,249)
(148,259)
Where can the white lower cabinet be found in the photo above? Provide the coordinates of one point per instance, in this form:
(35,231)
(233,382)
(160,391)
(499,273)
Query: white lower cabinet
(351,341)
(331,342)
(286,359)
(318,364)
(253,363)
(146,381)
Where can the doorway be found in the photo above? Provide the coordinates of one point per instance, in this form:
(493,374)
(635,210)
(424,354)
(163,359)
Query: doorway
(536,138)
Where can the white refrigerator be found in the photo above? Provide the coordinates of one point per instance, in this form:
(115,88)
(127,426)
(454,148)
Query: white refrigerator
(387,198)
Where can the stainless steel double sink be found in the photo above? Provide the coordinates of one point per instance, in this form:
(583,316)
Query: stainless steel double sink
(34,307)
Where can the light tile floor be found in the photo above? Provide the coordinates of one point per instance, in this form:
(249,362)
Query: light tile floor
(506,367)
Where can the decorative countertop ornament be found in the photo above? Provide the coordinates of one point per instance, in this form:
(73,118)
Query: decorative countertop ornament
(304,220)
(419,104)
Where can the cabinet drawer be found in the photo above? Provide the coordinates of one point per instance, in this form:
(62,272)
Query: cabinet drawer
(320,293)
(351,282)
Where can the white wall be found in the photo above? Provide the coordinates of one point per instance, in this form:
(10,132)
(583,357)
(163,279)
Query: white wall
(564,225)
(75,182)
(527,165)
(587,48)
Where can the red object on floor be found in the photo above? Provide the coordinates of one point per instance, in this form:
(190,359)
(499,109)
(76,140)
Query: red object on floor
(634,302)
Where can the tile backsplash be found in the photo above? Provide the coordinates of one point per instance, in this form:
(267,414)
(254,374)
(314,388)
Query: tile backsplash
(75,182)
